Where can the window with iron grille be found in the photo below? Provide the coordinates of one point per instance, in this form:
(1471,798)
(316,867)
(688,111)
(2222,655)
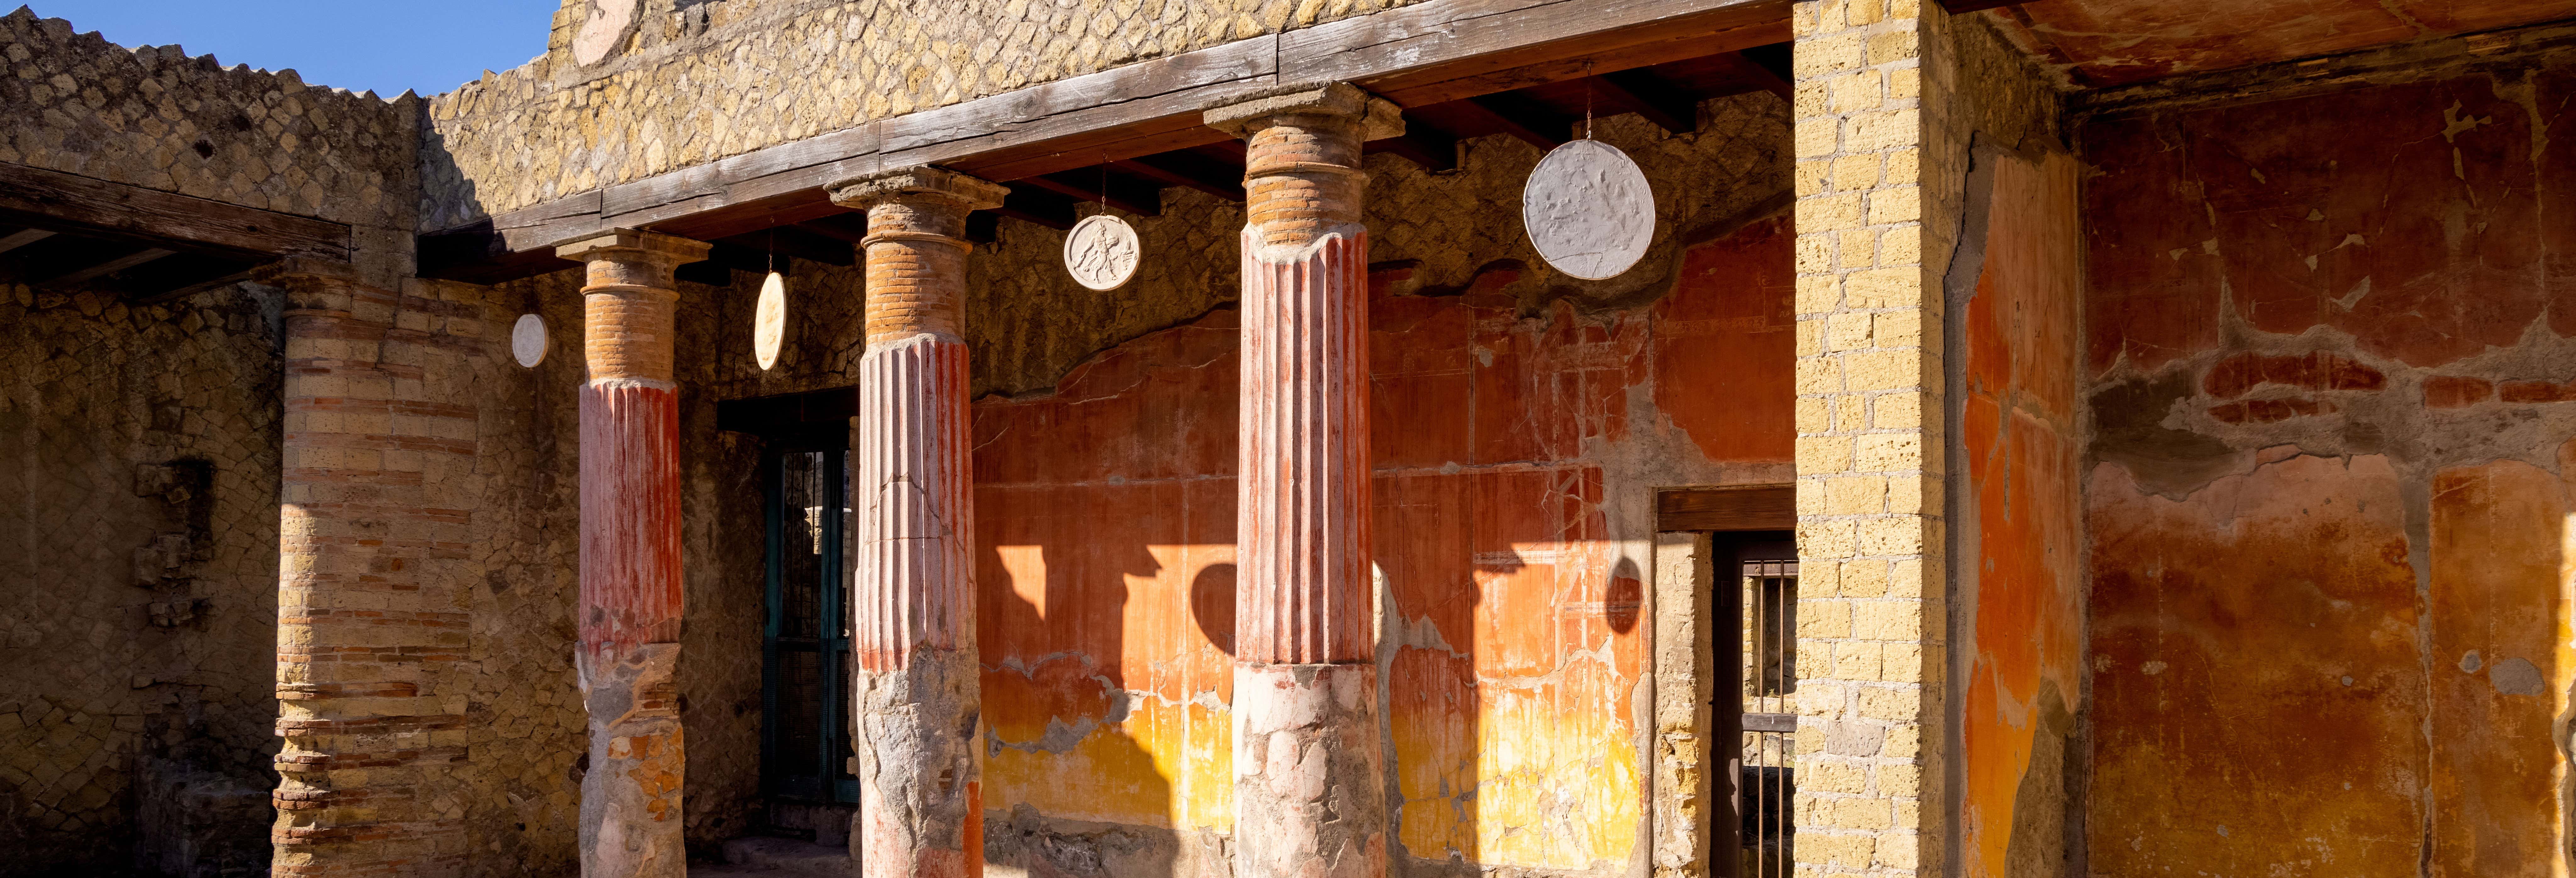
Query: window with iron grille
(1767,578)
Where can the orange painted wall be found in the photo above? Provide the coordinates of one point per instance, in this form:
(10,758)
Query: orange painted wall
(1514,644)
(2020,525)
(2329,499)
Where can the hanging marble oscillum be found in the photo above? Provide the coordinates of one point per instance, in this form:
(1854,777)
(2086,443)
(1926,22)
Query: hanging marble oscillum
(1101,252)
(769,320)
(1588,210)
(528,340)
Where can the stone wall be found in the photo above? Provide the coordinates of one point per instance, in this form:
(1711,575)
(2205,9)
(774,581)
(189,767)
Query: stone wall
(139,477)
(692,81)
(156,118)
(2329,326)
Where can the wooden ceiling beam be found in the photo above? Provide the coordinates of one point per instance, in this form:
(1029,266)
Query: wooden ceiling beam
(1142,199)
(1523,118)
(109,266)
(1422,143)
(1030,204)
(1190,168)
(23,237)
(1650,96)
(72,203)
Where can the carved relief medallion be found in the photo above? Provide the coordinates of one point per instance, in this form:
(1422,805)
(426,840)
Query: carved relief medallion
(1588,210)
(604,24)
(1101,252)
(769,320)
(528,340)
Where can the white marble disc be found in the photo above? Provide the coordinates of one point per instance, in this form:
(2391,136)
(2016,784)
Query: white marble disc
(528,340)
(603,26)
(1588,210)
(1101,252)
(769,320)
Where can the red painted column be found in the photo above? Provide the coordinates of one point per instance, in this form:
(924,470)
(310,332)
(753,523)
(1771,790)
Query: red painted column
(918,705)
(1308,793)
(630,555)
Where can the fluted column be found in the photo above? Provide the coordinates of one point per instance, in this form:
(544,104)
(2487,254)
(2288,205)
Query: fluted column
(1308,794)
(919,709)
(630,555)
(369,617)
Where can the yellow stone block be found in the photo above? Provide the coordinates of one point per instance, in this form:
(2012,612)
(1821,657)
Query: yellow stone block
(1815,256)
(1900,204)
(1894,705)
(1893,535)
(1883,130)
(1819,293)
(1820,375)
(1864,578)
(1862,90)
(1828,213)
(1860,495)
(1899,621)
(1824,540)
(1827,53)
(1857,172)
(1882,369)
(1824,455)
(1884,288)
(1888,47)
(1859,250)
(1890,452)
(1815,414)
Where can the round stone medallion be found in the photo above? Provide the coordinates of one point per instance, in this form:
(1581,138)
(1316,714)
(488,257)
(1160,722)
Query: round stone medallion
(1588,210)
(528,340)
(603,26)
(1101,252)
(769,320)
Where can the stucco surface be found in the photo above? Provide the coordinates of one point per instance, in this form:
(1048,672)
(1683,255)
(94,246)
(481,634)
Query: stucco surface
(2327,495)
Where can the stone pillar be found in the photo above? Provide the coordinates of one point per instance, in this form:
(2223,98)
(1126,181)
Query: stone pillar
(1877,214)
(1308,791)
(630,555)
(370,616)
(918,705)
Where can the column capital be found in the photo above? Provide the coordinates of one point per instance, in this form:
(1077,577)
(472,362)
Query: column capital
(1378,117)
(634,245)
(923,182)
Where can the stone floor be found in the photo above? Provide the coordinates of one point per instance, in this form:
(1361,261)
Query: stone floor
(779,858)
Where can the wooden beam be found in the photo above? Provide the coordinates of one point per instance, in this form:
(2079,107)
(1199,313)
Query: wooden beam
(1142,199)
(1774,59)
(23,237)
(1757,507)
(1030,204)
(1190,168)
(1522,118)
(73,203)
(1423,144)
(110,266)
(1651,97)
(1430,52)
(176,276)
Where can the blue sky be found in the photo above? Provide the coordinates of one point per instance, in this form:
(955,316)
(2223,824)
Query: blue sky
(429,46)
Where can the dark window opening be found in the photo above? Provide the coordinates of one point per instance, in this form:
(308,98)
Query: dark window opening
(805,644)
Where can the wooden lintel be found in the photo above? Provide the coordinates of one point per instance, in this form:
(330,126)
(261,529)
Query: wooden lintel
(1755,507)
(72,203)
(1430,52)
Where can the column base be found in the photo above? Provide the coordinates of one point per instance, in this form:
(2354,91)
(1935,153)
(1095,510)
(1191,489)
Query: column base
(1309,798)
(921,799)
(631,822)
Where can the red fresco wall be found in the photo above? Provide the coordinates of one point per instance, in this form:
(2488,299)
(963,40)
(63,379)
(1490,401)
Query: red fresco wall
(2329,495)
(2020,525)
(1513,644)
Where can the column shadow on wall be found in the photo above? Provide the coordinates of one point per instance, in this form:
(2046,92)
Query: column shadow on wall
(1055,693)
